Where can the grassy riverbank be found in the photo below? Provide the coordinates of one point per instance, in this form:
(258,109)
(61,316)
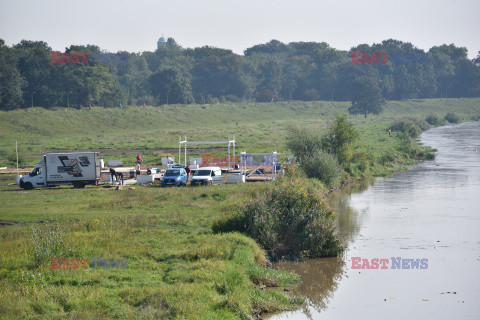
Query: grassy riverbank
(177,268)
(257,127)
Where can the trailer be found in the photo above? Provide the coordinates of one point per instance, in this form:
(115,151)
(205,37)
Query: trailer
(77,169)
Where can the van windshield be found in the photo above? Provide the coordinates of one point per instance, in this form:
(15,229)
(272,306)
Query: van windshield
(202,173)
(172,173)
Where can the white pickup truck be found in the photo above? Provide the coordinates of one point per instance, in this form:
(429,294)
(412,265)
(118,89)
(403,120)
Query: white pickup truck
(77,169)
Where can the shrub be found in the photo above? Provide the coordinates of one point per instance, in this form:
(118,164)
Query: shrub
(341,139)
(322,166)
(422,124)
(289,219)
(434,120)
(302,142)
(406,126)
(451,117)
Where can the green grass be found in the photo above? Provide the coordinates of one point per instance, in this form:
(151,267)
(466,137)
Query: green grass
(257,127)
(176,267)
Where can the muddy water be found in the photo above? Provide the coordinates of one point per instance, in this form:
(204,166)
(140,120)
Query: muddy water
(430,212)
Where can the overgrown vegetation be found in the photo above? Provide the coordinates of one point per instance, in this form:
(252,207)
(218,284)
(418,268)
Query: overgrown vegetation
(177,268)
(323,157)
(406,126)
(289,218)
(451,117)
(434,120)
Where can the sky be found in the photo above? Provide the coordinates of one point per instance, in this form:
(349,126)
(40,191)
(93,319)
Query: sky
(136,25)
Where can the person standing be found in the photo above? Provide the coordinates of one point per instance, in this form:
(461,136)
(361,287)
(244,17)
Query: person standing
(139,162)
(113,174)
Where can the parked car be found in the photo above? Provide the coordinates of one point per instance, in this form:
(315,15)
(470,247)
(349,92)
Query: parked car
(207,176)
(174,177)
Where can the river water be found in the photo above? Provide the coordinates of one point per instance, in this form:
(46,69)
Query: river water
(430,212)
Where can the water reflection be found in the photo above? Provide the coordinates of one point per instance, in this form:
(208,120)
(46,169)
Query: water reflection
(320,277)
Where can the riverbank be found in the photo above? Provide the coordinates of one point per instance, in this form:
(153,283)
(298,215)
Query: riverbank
(429,212)
(176,267)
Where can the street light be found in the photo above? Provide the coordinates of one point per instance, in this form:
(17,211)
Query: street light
(32,98)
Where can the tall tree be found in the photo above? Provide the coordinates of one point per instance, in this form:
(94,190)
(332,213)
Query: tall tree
(366,97)
(10,80)
(169,85)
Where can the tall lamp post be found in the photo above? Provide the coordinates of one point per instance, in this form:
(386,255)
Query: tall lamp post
(32,98)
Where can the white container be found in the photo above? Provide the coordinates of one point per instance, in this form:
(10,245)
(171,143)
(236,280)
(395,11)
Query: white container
(236,178)
(145,179)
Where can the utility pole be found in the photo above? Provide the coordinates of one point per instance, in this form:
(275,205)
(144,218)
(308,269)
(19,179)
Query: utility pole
(32,98)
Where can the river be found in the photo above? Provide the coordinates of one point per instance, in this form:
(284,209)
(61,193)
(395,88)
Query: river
(429,212)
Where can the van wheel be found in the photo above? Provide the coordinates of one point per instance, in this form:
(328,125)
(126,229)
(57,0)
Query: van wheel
(28,186)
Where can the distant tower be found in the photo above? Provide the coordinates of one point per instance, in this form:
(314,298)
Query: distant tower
(162,42)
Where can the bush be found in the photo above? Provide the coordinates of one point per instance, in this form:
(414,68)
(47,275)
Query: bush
(302,142)
(406,126)
(289,219)
(322,166)
(451,117)
(341,139)
(434,120)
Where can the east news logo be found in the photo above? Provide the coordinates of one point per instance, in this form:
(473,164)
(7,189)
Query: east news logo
(396,263)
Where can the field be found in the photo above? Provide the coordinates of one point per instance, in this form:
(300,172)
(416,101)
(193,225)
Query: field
(177,268)
(257,127)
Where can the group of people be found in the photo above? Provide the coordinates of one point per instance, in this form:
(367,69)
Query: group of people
(116,176)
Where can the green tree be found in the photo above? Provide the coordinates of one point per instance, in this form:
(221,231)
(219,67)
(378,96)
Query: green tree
(341,139)
(169,85)
(10,80)
(366,97)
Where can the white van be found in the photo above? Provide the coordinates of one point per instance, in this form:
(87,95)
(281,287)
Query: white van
(207,176)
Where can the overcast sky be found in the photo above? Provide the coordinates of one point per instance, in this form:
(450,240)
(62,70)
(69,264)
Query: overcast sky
(136,25)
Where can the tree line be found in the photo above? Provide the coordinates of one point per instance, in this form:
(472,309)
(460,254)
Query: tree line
(266,72)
